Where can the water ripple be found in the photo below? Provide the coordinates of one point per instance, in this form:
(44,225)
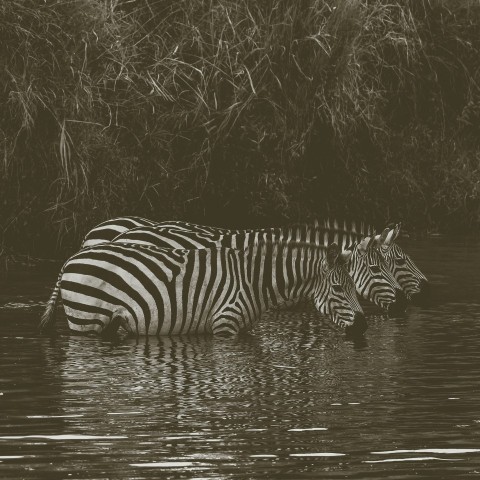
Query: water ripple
(293,399)
(63,437)
(430,450)
(411,459)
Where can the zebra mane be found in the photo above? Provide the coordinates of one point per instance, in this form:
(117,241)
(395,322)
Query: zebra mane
(268,242)
(345,234)
(338,258)
(348,226)
(359,228)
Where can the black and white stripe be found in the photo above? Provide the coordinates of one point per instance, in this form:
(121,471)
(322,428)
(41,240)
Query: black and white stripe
(408,275)
(372,277)
(108,230)
(153,291)
(411,280)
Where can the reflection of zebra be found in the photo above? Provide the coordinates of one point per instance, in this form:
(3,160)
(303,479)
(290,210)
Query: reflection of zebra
(153,291)
(371,275)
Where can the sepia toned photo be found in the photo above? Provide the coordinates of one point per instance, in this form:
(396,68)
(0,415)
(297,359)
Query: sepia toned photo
(239,239)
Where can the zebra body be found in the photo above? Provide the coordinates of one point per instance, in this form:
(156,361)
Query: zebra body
(371,275)
(154,291)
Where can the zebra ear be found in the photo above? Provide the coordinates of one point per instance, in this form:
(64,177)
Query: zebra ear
(362,244)
(394,232)
(397,230)
(382,237)
(366,243)
(345,256)
(391,236)
(332,254)
(351,247)
(372,242)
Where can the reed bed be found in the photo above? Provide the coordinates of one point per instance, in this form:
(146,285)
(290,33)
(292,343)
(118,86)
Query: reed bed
(240,113)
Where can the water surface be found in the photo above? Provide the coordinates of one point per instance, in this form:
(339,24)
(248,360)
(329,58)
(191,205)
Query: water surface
(293,400)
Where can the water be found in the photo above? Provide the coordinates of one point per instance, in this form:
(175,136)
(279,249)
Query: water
(294,400)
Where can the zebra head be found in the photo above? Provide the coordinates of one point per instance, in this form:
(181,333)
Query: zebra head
(408,275)
(373,278)
(335,294)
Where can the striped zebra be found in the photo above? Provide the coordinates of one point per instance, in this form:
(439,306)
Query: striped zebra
(411,279)
(372,277)
(153,291)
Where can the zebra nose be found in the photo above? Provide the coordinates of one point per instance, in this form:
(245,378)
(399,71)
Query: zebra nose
(400,303)
(420,298)
(358,326)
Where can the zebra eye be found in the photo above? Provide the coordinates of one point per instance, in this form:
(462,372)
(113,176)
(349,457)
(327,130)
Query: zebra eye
(337,288)
(400,261)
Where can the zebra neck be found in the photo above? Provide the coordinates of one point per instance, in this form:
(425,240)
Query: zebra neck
(281,273)
(315,234)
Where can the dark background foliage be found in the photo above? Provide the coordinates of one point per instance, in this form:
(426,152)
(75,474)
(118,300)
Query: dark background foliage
(237,113)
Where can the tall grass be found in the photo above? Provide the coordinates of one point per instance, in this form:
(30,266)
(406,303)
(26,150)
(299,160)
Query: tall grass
(236,112)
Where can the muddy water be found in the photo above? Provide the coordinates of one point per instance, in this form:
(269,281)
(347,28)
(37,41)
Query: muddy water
(295,399)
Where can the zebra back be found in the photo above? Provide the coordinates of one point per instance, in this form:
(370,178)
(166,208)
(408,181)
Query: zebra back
(329,230)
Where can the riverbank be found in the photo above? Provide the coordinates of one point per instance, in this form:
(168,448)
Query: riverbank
(238,114)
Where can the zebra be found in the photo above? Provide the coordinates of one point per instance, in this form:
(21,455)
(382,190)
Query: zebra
(411,279)
(370,272)
(148,290)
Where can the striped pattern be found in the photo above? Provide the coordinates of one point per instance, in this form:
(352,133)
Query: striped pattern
(372,277)
(153,291)
(108,230)
(411,279)
(329,231)
(370,284)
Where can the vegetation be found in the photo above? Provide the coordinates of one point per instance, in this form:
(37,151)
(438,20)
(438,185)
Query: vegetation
(236,112)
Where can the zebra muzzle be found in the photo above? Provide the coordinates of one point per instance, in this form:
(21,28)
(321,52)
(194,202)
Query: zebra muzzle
(400,303)
(421,297)
(358,326)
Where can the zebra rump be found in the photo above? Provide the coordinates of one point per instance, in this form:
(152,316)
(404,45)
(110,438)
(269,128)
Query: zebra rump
(108,230)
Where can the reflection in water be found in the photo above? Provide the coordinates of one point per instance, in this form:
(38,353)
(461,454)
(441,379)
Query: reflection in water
(23,305)
(294,399)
